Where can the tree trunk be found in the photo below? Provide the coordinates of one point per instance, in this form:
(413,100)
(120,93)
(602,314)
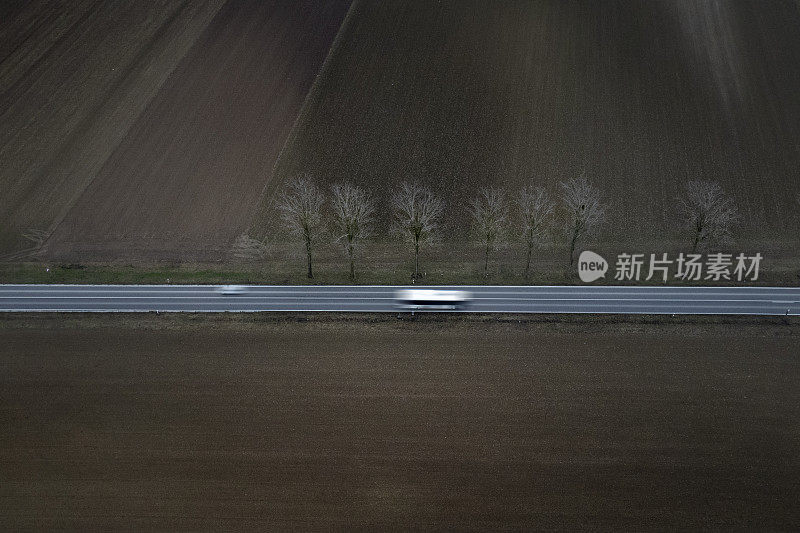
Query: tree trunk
(486,261)
(416,260)
(352,263)
(698,230)
(308,255)
(528,259)
(696,241)
(572,247)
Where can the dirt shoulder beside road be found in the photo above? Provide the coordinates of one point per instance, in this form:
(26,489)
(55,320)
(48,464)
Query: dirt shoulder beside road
(280,422)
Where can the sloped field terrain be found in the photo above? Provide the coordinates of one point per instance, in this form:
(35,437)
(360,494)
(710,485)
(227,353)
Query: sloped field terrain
(186,178)
(74,75)
(148,130)
(639,96)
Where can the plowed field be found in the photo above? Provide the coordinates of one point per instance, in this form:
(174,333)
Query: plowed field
(404,428)
(640,96)
(148,130)
(74,76)
(187,177)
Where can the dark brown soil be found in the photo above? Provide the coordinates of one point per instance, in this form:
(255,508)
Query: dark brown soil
(74,76)
(638,96)
(186,178)
(381,427)
(148,130)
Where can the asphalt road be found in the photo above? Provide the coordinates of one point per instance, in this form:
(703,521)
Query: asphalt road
(492,299)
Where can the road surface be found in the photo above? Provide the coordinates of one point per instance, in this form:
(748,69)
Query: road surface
(485,299)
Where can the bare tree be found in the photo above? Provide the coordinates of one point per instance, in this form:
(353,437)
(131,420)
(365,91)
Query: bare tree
(708,213)
(353,208)
(583,209)
(417,214)
(535,218)
(489,212)
(299,206)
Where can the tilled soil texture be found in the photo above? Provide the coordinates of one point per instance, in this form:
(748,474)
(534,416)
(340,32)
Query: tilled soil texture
(297,428)
(187,177)
(74,76)
(639,96)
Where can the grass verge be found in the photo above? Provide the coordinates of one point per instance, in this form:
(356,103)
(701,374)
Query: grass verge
(326,273)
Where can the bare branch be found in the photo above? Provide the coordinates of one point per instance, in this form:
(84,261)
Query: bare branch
(535,219)
(246,248)
(417,214)
(353,208)
(708,213)
(299,206)
(583,210)
(489,213)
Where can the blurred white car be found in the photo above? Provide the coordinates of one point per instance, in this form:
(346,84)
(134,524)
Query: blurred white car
(413,299)
(231,290)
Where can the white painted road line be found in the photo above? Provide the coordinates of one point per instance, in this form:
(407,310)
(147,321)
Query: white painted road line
(374,298)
